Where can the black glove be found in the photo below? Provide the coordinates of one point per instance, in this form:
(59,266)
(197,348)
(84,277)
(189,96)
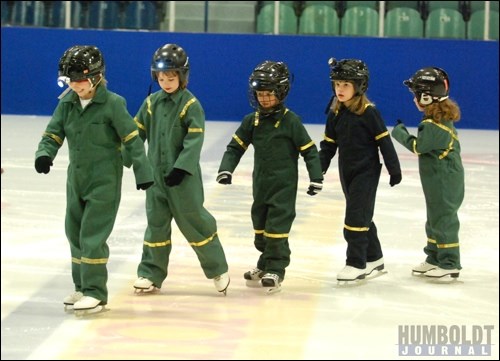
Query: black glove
(399,121)
(224,177)
(175,177)
(395,179)
(315,187)
(43,163)
(144,186)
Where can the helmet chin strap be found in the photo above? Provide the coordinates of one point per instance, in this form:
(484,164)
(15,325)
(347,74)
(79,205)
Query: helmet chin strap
(63,94)
(92,85)
(426,99)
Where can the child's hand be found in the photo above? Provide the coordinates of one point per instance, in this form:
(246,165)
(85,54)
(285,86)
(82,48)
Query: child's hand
(315,187)
(224,178)
(144,186)
(175,177)
(43,164)
(395,179)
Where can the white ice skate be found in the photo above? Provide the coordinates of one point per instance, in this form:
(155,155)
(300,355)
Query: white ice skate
(88,305)
(438,272)
(253,277)
(222,283)
(143,285)
(350,274)
(422,268)
(271,282)
(70,300)
(375,269)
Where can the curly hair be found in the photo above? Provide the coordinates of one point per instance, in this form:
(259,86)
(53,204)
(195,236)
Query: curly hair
(445,110)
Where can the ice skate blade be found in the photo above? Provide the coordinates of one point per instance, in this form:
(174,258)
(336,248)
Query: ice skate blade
(443,280)
(272,290)
(351,283)
(452,275)
(253,283)
(417,274)
(91,311)
(359,278)
(146,291)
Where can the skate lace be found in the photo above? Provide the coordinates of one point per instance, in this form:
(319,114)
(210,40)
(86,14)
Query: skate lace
(255,271)
(272,276)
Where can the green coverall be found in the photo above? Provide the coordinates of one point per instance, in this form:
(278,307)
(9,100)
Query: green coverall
(278,139)
(94,178)
(442,177)
(174,126)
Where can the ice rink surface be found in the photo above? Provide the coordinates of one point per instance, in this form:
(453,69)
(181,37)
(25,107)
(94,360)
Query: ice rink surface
(312,318)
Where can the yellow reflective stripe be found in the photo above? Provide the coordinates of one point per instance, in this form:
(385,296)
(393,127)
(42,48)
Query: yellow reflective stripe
(259,231)
(276,235)
(75,260)
(134,134)
(447,245)
(356,229)
(277,124)
(384,134)
(53,136)
(204,242)
(195,130)
(94,260)
(139,124)
(256,119)
(186,106)
(442,245)
(157,244)
(240,142)
(415,147)
(329,140)
(442,126)
(449,131)
(308,145)
(148,102)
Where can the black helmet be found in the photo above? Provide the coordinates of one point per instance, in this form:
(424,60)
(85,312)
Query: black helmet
(272,76)
(352,70)
(170,57)
(81,62)
(429,85)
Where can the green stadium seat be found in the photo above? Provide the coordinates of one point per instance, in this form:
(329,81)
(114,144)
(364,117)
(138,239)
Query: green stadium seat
(287,20)
(360,21)
(319,20)
(365,4)
(475,29)
(445,23)
(403,23)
